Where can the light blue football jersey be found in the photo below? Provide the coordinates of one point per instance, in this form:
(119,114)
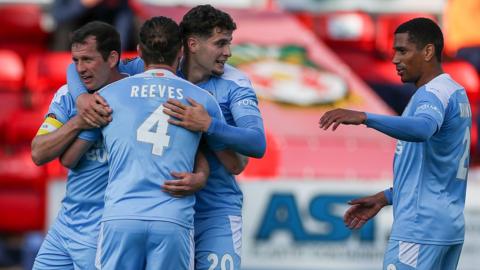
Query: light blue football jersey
(236,97)
(430,177)
(81,210)
(234,93)
(144,149)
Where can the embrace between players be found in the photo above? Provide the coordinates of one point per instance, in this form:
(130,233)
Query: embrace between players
(173,114)
(136,210)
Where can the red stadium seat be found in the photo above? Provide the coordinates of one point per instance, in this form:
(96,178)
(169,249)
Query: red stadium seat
(22,192)
(17,170)
(11,85)
(22,21)
(11,73)
(21,29)
(46,72)
(23,125)
(386,25)
(22,210)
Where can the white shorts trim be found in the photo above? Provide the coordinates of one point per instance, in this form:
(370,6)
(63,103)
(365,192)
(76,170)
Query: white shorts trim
(408,253)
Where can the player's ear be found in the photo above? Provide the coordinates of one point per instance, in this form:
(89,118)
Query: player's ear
(429,52)
(113,59)
(193,44)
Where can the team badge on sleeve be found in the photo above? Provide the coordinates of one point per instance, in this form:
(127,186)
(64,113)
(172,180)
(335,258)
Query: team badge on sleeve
(49,125)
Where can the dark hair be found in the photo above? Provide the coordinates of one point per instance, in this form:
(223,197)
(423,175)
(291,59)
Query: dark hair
(423,31)
(202,20)
(160,40)
(106,36)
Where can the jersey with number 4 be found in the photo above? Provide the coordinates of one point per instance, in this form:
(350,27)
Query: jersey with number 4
(430,176)
(144,148)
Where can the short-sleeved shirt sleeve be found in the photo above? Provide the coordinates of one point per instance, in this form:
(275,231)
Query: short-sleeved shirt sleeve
(62,105)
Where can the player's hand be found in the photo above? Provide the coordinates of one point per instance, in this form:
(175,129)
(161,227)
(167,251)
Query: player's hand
(194,117)
(94,110)
(80,123)
(363,209)
(341,116)
(186,183)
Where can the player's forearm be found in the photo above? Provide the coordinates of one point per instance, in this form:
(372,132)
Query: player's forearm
(72,155)
(235,163)
(49,146)
(201,165)
(247,139)
(75,85)
(412,128)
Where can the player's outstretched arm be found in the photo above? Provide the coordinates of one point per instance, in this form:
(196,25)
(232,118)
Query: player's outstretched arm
(341,116)
(49,144)
(363,209)
(247,138)
(417,128)
(187,183)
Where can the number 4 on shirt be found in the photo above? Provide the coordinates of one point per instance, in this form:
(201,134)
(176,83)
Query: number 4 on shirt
(154,130)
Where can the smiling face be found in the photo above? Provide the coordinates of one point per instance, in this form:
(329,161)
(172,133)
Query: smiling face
(94,71)
(210,54)
(408,59)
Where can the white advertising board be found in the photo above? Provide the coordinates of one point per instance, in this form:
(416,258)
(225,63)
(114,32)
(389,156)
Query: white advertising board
(297,225)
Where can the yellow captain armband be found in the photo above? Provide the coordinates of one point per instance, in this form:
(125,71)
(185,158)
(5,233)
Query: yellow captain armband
(49,125)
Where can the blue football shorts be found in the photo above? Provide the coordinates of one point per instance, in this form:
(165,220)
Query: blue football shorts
(407,256)
(59,252)
(142,244)
(218,243)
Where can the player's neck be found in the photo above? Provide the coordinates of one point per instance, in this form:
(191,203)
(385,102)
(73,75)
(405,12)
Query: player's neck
(115,76)
(433,72)
(160,66)
(193,72)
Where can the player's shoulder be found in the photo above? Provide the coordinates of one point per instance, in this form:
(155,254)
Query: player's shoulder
(236,77)
(443,83)
(192,88)
(107,89)
(443,87)
(62,95)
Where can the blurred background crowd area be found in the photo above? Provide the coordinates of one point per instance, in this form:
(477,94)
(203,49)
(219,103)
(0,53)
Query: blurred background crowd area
(303,57)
